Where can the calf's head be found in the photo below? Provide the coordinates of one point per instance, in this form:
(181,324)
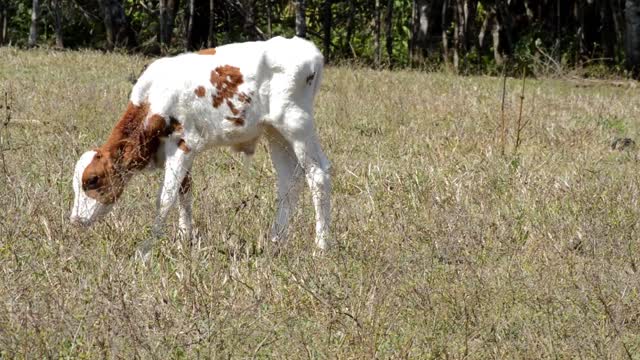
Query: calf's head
(97,184)
(101,175)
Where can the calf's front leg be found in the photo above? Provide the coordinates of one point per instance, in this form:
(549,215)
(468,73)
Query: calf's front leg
(185,217)
(176,168)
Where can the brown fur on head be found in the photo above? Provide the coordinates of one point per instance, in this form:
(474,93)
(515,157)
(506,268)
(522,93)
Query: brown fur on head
(130,147)
(101,179)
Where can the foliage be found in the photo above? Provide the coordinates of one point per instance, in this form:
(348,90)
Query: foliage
(528,37)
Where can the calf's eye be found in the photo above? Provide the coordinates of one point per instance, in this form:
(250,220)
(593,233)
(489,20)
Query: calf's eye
(92,183)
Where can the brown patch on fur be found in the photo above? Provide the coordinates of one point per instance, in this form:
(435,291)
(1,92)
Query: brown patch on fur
(182,145)
(310,78)
(199,91)
(156,126)
(226,80)
(210,51)
(130,147)
(233,109)
(244,98)
(185,186)
(238,121)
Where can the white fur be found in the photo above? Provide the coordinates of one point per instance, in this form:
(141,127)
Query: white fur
(85,210)
(281,76)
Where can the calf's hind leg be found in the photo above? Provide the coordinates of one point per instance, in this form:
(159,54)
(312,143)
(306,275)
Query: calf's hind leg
(303,140)
(290,177)
(316,167)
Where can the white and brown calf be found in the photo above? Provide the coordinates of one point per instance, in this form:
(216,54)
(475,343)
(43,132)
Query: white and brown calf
(182,105)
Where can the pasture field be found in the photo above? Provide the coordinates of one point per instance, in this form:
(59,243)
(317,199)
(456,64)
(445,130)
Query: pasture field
(446,247)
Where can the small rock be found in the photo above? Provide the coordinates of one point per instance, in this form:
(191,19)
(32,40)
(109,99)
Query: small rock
(621,144)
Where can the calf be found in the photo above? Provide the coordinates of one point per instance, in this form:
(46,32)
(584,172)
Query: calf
(228,96)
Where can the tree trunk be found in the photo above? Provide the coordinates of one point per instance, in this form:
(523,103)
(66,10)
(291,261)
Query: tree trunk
(389,31)
(166,19)
(580,33)
(161,25)
(4,27)
(488,19)
(126,31)
(198,24)
(632,38)
(377,50)
(608,35)
(57,12)
(116,24)
(558,19)
(495,34)
(445,38)
(211,39)
(33,31)
(301,22)
(3,24)
(617,16)
(347,48)
(504,26)
(108,23)
(269,26)
(188,34)
(414,27)
(170,18)
(326,28)
(471,10)
(249,19)
(458,33)
(426,28)
(464,17)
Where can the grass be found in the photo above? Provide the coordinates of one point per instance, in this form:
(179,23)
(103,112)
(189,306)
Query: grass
(445,248)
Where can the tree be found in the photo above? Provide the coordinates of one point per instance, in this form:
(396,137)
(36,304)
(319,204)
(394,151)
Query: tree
(426,26)
(189,19)
(198,24)
(4,18)
(463,30)
(162,14)
(377,50)
(327,16)
(389,30)
(211,39)
(57,13)
(167,10)
(632,32)
(466,34)
(249,26)
(348,47)
(269,19)
(301,22)
(117,28)
(445,35)
(35,15)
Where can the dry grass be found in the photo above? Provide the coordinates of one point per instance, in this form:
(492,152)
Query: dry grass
(446,248)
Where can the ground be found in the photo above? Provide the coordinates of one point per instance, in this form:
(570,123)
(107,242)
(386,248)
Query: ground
(450,241)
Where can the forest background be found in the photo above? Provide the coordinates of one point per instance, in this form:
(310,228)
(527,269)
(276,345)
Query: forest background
(596,37)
